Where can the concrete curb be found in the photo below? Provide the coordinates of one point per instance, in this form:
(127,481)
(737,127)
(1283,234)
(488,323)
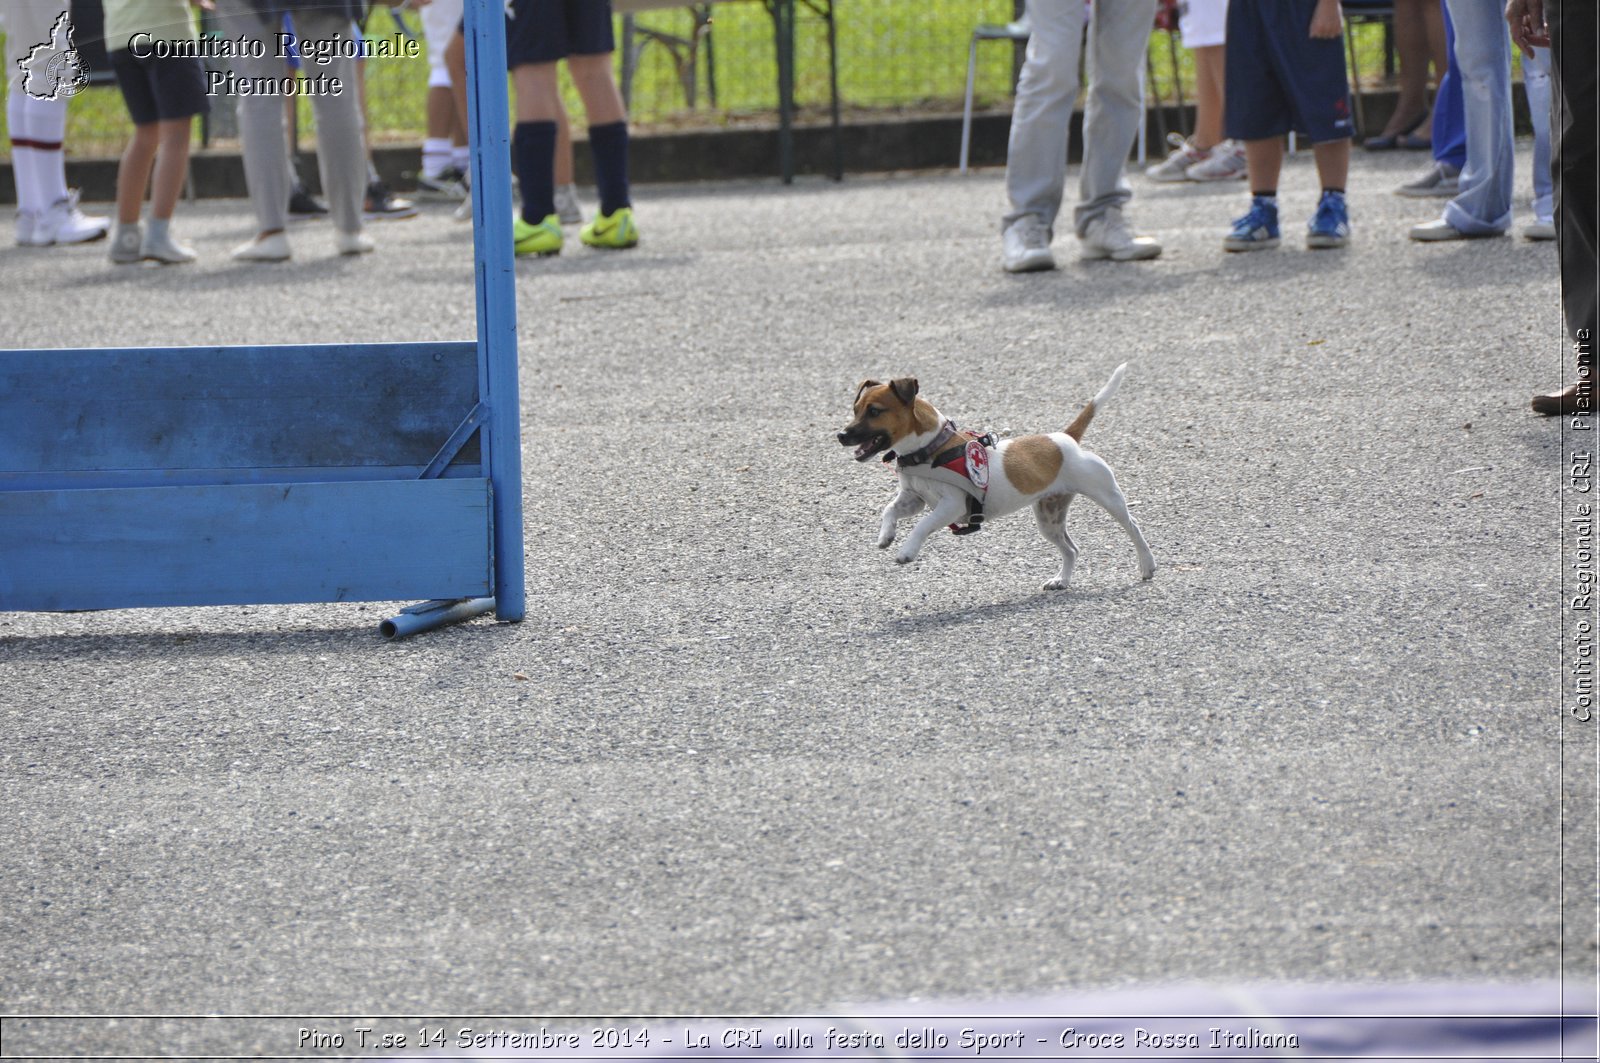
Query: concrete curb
(899,142)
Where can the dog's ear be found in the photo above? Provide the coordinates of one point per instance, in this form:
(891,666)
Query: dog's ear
(905,389)
(865,384)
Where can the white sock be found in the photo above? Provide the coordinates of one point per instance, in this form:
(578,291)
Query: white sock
(435,156)
(461,157)
(46,123)
(22,157)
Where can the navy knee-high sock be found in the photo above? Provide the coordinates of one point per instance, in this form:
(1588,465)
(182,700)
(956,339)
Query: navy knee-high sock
(533,152)
(609,145)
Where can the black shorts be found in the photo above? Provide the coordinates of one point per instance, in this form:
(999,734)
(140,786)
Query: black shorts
(1281,79)
(543,31)
(158,89)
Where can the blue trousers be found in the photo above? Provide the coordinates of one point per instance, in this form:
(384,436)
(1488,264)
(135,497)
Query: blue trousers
(1449,117)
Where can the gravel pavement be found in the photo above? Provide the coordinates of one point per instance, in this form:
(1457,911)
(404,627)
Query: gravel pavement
(736,759)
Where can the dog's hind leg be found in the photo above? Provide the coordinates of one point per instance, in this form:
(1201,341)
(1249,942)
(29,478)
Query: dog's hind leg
(905,504)
(1100,484)
(1051,513)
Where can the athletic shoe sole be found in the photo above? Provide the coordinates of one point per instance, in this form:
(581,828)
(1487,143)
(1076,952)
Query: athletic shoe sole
(1231,244)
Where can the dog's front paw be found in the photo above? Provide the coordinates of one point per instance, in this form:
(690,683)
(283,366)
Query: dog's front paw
(885,541)
(1057,584)
(904,558)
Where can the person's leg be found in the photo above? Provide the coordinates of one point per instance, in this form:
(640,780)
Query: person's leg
(1329,226)
(341,133)
(1449,109)
(533,141)
(1536,81)
(171,168)
(1333,164)
(1412,49)
(608,128)
(1210,74)
(1041,114)
(455,58)
(1257,228)
(564,164)
(439,21)
(1482,206)
(133,172)
(1204,27)
(1264,163)
(263,138)
(1118,37)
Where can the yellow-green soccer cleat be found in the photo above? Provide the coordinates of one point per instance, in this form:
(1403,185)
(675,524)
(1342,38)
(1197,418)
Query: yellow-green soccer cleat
(541,239)
(615,230)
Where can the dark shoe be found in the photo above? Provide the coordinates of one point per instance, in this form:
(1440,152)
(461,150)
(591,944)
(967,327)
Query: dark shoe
(1400,138)
(1565,403)
(302,207)
(382,204)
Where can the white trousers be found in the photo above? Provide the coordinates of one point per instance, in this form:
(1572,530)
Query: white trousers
(1047,94)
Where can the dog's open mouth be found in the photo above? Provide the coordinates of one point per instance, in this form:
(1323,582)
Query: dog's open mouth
(874,443)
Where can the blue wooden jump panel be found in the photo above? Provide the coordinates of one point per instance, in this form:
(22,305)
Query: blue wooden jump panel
(164,416)
(132,547)
(225,475)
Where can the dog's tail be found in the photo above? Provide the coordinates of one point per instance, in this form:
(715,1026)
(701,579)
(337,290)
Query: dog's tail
(1080,423)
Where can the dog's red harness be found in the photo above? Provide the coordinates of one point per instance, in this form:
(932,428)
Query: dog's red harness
(959,458)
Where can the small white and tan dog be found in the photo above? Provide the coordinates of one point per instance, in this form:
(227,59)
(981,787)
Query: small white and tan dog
(961,479)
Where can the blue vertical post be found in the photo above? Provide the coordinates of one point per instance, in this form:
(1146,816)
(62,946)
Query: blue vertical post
(490,131)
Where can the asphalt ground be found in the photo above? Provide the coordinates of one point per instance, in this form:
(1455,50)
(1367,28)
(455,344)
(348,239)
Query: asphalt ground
(738,761)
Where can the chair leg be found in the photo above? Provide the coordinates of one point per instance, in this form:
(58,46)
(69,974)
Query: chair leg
(966,111)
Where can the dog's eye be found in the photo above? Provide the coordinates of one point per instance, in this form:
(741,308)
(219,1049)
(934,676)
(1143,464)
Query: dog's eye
(873,411)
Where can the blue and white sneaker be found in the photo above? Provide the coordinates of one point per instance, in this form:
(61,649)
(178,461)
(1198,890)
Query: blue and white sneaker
(1257,230)
(1330,225)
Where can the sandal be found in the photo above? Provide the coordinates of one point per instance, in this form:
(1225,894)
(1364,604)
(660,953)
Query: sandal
(1401,139)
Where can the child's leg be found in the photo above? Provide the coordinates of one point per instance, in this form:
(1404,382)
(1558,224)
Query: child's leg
(133,173)
(533,142)
(564,174)
(1210,63)
(602,100)
(608,127)
(1264,163)
(1333,163)
(172,166)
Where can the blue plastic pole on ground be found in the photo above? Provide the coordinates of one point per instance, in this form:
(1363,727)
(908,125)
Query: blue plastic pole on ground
(490,131)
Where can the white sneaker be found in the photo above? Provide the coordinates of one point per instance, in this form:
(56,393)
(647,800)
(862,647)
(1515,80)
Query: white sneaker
(1541,229)
(63,223)
(127,245)
(1107,236)
(159,246)
(355,243)
(274,248)
(1025,246)
(464,208)
(1225,163)
(1176,167)
(567,206)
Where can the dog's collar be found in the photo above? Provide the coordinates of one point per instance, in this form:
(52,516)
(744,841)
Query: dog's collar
(947,432)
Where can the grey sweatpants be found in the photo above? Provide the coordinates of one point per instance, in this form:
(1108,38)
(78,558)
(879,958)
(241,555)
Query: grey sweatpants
(1047,92)
(341,154)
